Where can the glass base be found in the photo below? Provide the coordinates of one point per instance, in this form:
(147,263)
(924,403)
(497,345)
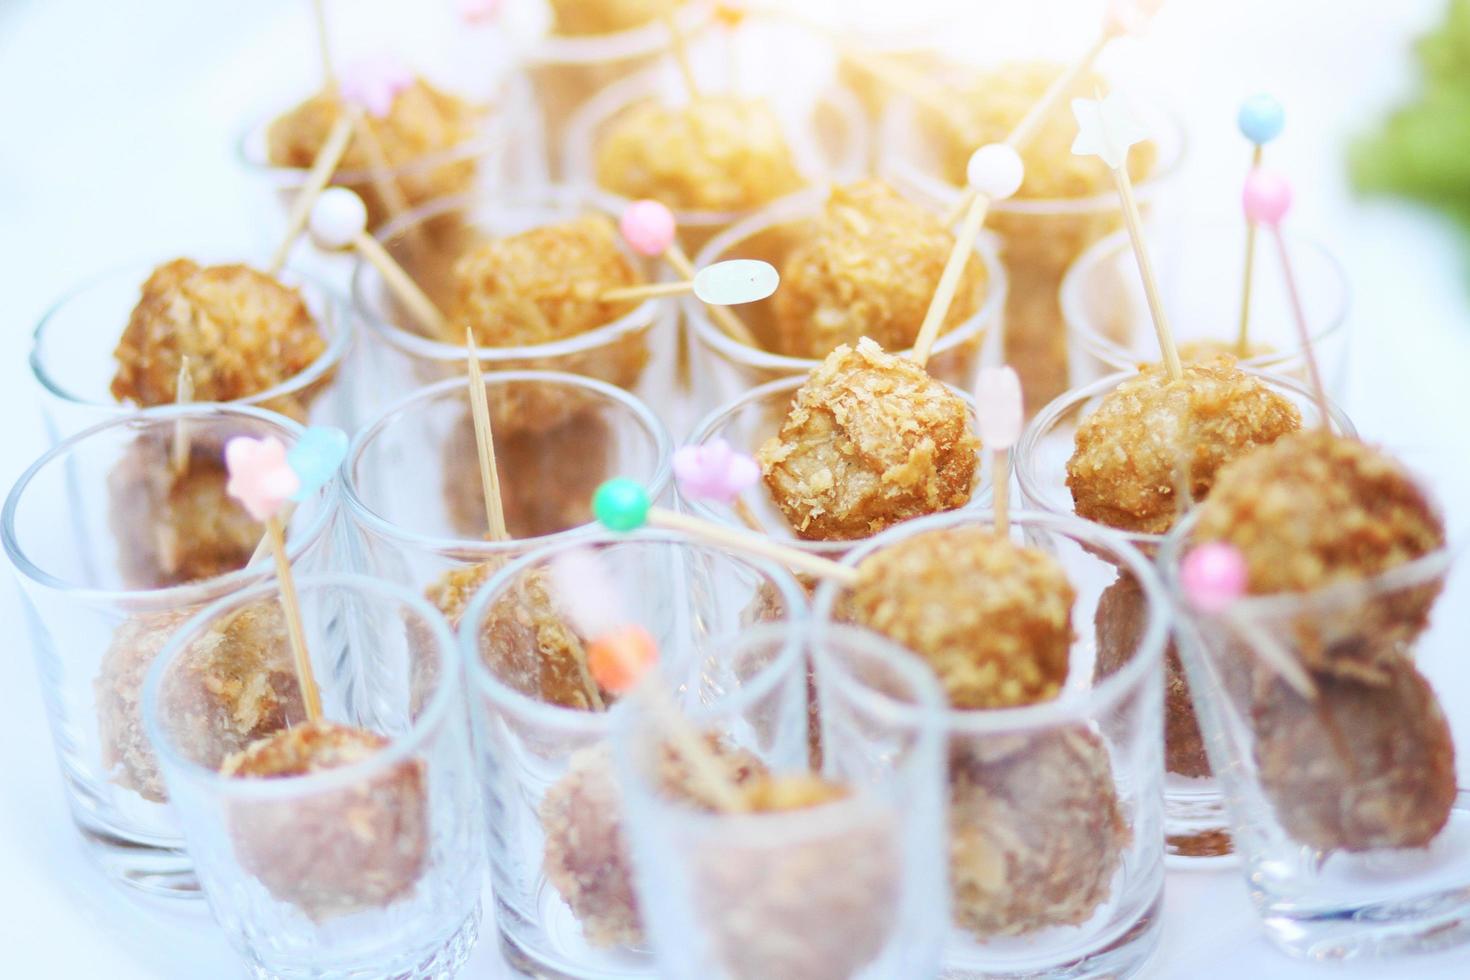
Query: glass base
(1122,957)
(1196,828)
(157,870)
(1425,925)
(554,948)
(438,963)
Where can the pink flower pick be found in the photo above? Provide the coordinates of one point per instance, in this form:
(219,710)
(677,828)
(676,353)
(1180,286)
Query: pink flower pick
(260,476)
(1214,576)
(998,411)
(648,227)
(374,83)
(1266,197)
(714,471)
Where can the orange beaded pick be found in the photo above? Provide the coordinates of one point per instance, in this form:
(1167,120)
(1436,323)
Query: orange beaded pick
(619,659)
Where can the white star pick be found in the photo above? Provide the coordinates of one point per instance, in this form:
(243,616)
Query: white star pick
(1106,129)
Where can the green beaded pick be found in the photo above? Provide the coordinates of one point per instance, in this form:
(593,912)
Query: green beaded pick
(621,504)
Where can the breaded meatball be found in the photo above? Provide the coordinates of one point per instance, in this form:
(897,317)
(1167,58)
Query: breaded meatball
(1151,436)
(868,268)
(577,18)
(993,619)
(871,440)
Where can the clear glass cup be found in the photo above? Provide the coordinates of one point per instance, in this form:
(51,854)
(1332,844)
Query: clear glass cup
(1353,835)
(727,368)
(94,532)
(73,365)
(564,896)
(852,887)
(746,423)
(635,351)
(372,867)
(431,530)
(1040,238)
(827,134)
(1056,809)
(1198,267)
(565,71)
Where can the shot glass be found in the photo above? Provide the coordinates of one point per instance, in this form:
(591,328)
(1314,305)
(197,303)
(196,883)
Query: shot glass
(746,423)
(1056,861)
(1110,328)
(431,532)
(728,369)
(564,892)
(635,351)
(1353,835)
(112,555)
(73,365)
(826,132)
(852,886)
(355,849)
(1040,238)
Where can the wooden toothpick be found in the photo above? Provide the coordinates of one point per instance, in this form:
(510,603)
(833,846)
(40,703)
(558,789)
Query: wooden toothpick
(328,159)
(183,395)
(485,445)
(1260,120)
(680,48)
(291,606)
(324,44)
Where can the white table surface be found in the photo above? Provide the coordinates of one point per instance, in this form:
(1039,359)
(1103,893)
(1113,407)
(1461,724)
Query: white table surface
(116,129)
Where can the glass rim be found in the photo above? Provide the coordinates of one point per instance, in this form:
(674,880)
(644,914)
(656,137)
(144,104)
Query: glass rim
(901,110)
(643,316)
(400,748)
(189,593)
(338,340)
(597,723)
(479,549)
(1322,599)
(1081,324)
(841,815)
(981,493)
(652,38)
(1147,655)
(1045,421)
(806,202)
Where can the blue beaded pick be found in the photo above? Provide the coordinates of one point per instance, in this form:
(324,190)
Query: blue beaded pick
(316,457)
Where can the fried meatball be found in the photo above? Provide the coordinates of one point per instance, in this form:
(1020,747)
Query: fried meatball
(993,619)
(577,18)
(1360,767)
(717,153)
(232,686)
(1036,835)
(1315,509)
(340,851)
(868,268)
(1133,449)
(242,331)
(871,440)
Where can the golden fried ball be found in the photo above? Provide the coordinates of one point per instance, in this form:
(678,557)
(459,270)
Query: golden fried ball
(232,686)
(576,18)
(1036,836)
(717,153)
(242,331)
(340,851)
(1361,767)
(422,121)
(993,619)
(868,269)
(871,440)
(1133,449)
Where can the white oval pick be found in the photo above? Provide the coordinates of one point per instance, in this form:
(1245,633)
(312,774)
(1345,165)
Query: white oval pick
(736,281)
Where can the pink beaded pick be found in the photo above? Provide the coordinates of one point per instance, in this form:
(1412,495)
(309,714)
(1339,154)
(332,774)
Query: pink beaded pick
(1266,198)
(478,11)
(374,83)
(1130,16)
(648,227)
(714,471)
(998,412)
(261,478)
(1213,576)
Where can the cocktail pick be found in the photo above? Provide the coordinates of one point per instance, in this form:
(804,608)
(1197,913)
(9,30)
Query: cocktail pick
(715,471)
(649,229)
(183,395)
(624,505)
(995,172)
(623,658)
(680,47)
(485,444)
(728,283)
(1266,199)
(328,159)
(1260,119)
(1214,577)
(324,43)
(338,221)
(262,480)
(999,416)
(370,87)
(1107,129)
(314,459)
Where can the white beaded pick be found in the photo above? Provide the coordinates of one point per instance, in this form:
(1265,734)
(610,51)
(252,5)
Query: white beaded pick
(337,218)
(996,171)
(736,281)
